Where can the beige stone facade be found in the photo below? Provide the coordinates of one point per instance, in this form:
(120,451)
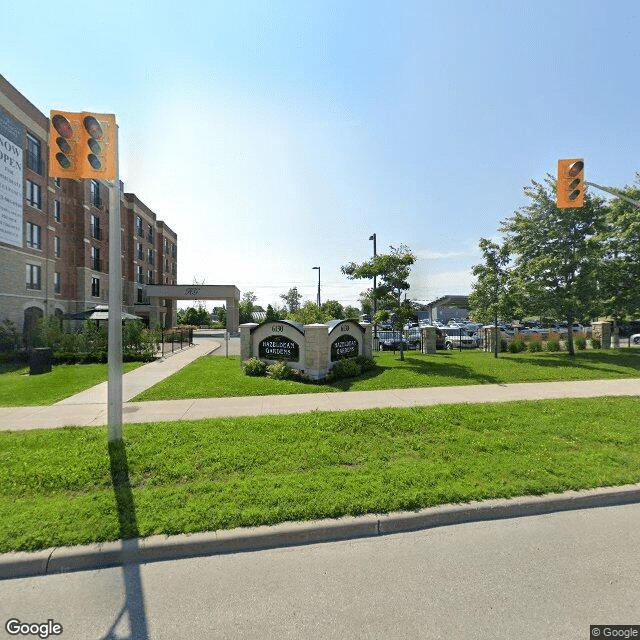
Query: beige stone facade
(312,348)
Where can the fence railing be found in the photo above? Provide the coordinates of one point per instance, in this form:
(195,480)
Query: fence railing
(175,339)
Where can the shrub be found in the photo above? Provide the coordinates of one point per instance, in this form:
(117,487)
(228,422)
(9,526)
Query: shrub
(517,345)
(365,364)
(535,345)
(553,344)
(254,367)
(48,333)
(581,342)
(279,371)
(138,343)
(93,338)
(8,336)
(596,343)
(346,368)
(504,344)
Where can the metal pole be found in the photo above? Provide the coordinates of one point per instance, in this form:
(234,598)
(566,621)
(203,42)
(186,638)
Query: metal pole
(114,385)
(613,193)
(375,302)
(318,268)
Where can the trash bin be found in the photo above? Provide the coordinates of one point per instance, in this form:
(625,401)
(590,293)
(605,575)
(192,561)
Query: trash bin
(40,361)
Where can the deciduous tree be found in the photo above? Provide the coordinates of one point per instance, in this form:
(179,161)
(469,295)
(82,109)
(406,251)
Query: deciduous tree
(556,254)
(392,271)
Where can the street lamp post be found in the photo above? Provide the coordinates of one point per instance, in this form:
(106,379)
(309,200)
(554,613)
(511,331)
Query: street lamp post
(318,268)
(375,302)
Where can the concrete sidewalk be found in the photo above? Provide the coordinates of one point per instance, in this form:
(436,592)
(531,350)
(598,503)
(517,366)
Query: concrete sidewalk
(72,412)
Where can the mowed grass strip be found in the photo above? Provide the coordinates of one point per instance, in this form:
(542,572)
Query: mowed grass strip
(56,486)
(215,376)
(19,389)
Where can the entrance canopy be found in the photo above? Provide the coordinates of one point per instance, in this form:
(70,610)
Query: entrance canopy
(229,293)
(99,312)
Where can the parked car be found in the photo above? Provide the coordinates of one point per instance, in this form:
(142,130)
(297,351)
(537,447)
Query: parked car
(454,338)
(394,344)
(635,338)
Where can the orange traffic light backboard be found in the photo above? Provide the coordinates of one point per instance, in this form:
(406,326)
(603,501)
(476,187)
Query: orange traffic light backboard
(570,183)
(82,145)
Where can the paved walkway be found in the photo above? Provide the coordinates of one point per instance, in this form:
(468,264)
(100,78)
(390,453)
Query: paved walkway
(89,408)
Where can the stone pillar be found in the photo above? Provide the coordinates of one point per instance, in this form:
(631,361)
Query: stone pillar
(233,315)
(316,339)
(246,340)
(428,339)
(367,344)
(602,330)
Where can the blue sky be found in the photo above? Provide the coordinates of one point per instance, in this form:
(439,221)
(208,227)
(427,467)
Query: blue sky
(278,136)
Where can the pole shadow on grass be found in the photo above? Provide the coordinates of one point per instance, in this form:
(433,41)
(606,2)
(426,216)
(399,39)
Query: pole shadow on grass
(133,607)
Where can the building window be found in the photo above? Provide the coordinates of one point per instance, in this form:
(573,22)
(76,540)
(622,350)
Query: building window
(56,247)
(150,256)
(33,194)
(174,250)
(34,157)
(173,269)
(95,259)
(56,282)
(139,229)
(95,227)
(95,193)
(33,276)
(140,254)
(95,287)
(140,296)
(57,215)
(140,275)
(166,266)
(149,233)
(150,277)
(57,182)
(34,236)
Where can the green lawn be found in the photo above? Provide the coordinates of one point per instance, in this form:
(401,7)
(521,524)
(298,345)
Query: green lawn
(18,388)
(214,376)
(62,487)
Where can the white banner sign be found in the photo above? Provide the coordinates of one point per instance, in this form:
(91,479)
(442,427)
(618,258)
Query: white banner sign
(11,180)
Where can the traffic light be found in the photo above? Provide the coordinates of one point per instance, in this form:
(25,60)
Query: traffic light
(570,184)
(63,146)
(82,145)
(98,135)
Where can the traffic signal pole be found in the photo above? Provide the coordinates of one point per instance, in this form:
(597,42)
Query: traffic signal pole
(114,388)
(84,146)
(613,193)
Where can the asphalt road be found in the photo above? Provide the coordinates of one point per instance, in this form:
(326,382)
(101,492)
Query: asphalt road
(547,576)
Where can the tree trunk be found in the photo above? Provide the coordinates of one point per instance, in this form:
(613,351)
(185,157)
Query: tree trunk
(570,334)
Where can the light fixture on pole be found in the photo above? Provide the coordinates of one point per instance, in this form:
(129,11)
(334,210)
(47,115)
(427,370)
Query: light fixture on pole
(318,268)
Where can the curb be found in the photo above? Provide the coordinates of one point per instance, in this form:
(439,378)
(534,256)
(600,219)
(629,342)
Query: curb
(161,548)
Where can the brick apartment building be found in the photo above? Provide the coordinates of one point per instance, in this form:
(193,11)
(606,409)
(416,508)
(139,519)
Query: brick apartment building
(54,233)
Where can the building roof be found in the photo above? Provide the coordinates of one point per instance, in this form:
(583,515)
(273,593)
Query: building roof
(450,301)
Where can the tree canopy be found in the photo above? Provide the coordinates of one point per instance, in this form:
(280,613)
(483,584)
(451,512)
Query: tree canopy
(392,271)
(292,299)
